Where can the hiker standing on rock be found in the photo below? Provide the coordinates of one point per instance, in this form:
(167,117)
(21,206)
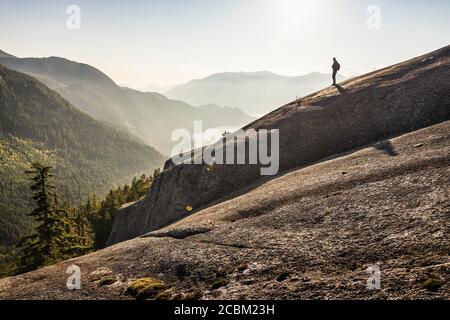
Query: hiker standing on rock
(336,67)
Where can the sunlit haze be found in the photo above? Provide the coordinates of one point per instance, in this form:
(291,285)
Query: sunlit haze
(138,43)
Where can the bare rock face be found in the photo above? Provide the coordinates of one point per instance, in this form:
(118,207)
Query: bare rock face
(311,233)
(398,99)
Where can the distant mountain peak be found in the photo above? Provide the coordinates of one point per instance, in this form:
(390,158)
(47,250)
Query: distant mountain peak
(150,116)
(255,93)
(4,54)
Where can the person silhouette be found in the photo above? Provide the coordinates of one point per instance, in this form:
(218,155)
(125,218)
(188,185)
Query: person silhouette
(336,67)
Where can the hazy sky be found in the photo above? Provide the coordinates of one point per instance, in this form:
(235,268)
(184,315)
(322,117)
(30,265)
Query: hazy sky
(162,42)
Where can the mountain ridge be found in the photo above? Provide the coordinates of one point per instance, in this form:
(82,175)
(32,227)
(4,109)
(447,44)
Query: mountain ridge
(254,92)
(397,99)
(37,124)
(150,116)
(4,54)
(363,184)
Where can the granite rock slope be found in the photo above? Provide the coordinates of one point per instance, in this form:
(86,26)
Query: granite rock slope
(398,99)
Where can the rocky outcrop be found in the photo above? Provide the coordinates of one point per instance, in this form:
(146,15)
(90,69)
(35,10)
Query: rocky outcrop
(311,233)
(363,110)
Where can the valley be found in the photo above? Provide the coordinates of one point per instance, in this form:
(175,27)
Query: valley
(38,125)
(151,117)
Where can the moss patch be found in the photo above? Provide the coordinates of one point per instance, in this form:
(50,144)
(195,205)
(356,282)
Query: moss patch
(432,284)
(190,296)
(107,280)
(165,295)
(146,288)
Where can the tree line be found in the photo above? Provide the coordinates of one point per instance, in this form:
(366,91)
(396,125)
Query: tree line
(62,231)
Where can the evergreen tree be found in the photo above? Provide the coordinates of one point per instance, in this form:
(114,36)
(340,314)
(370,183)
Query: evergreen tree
(69,243)
(51,239)
(37,248)
(101,213)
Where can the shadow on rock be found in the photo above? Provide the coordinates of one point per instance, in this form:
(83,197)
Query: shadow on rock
(387,148)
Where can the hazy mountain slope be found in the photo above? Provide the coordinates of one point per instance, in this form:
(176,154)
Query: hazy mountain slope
(154,88)
(16,155)
(319,228)
(398,99)
(167,115)
(150,116)
(3,54)
(254,92)
(38,124)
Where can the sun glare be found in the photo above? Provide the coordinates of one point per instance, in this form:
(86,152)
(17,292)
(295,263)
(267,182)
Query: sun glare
(297,13)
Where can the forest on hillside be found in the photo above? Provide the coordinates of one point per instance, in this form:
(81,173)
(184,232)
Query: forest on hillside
(79,230)
(38,125)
